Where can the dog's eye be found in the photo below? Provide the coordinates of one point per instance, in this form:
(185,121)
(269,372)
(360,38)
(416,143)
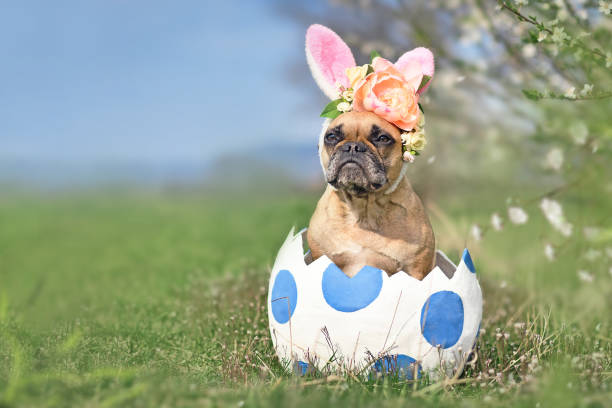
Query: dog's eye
(382,139)
(331,138)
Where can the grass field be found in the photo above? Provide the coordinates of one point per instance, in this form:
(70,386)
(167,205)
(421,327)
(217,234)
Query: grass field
(159,299)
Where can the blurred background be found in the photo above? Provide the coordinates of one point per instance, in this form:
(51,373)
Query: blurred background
(145,145)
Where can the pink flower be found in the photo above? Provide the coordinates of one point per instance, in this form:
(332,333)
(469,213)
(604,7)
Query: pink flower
(390,94)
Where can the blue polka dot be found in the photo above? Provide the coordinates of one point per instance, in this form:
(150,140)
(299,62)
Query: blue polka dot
(467,260)
(442,318)
(284,294)
(301,368)
(350,294)
(398,364)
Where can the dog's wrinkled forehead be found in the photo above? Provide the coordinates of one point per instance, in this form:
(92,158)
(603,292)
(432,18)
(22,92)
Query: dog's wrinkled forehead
(361,126)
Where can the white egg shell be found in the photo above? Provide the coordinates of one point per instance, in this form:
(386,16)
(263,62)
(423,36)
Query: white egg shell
(319,316)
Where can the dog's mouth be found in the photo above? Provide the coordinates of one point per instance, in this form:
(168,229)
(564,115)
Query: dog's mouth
(355,176)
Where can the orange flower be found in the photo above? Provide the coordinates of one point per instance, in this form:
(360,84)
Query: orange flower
(389,94)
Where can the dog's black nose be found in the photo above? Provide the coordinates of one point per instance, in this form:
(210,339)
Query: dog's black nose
(357,147)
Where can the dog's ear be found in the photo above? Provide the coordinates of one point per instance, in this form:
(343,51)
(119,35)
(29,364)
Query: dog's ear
(418,62)
(328,58)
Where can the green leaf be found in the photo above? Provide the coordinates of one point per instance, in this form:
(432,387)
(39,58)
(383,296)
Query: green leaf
(373,55)
(331,109)
(369,70)
(424,82)
(532,94)
(421,108)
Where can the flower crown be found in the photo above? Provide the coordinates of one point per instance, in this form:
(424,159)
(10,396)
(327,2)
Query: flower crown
(389,90)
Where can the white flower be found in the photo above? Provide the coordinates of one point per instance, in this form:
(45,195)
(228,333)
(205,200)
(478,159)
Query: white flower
(344,106)
(542,36)
(421,123)
(497,222)
(592,254)
(554,159)
(587,89)
(605,7)
(521,2)
(529,51)
(407,156)
(416,140)
(609,252)
(554,214)
(476,232)
(579,132)
(517,215)
(558,35)
(348,95)
(431,159)
(566,229)
(608,60)
(570,93)
(585,276)
(549,252)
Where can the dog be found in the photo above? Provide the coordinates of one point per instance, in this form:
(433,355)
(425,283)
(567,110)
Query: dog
(369,214)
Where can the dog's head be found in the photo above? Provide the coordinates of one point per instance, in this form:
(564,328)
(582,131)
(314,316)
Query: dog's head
(361,149)
(361,153)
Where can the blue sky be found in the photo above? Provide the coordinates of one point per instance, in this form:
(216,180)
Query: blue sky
(151,81)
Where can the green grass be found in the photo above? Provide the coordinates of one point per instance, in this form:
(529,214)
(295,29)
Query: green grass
(144,299)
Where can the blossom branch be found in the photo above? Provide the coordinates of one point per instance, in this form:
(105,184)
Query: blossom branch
(540,26)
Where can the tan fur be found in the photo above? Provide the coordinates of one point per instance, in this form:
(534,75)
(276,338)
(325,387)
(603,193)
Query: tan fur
(388,231)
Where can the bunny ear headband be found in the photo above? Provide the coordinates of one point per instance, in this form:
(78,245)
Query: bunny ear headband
(390,90)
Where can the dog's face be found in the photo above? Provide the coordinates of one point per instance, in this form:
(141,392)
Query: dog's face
(361,152)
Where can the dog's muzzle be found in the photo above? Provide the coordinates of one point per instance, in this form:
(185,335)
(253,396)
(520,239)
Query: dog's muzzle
(355,168)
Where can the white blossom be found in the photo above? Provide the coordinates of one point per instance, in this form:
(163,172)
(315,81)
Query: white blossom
(529,51)
(517,215)
(554,159)
(522,2)
(579,132)
(587,89)
(431,159)
(559,36)
(554,214)
(549,252)
(542,36)
(348,95)
(344,107)
(608,60)
(497,222)
(605,7)
(476,232)
(609,252)
(592,255)
(585,276)
(570,93)
(409,157)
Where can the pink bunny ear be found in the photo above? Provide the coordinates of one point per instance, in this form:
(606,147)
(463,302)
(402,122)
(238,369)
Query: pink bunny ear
(328,58)
(419,61)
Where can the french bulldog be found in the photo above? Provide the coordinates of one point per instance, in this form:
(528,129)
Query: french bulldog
(369,214)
